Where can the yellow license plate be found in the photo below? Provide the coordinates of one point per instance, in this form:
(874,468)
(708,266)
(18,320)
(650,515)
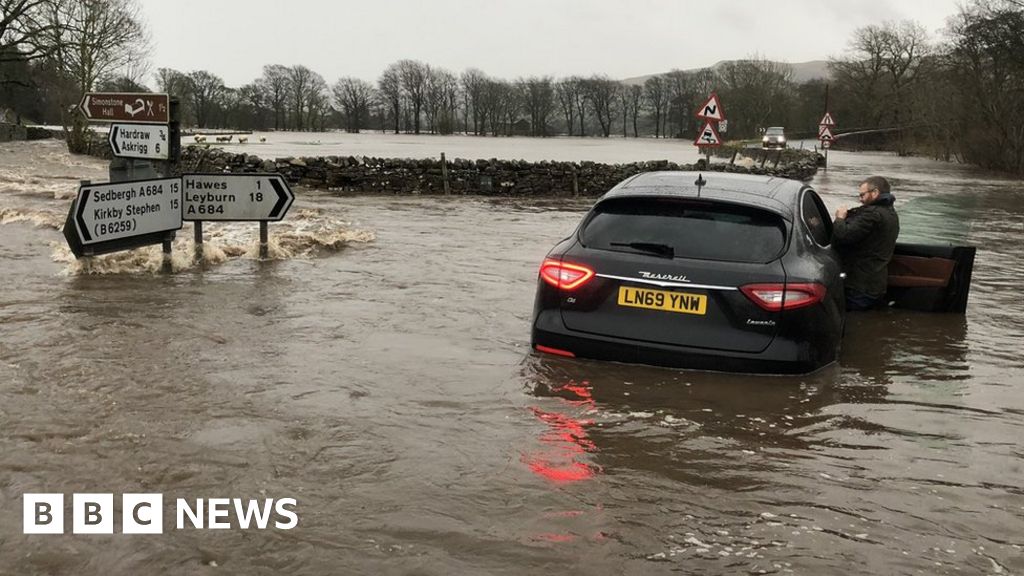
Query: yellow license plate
(663,300)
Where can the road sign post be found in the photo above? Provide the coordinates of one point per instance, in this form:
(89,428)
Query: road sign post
(825,133)
(713,115)
(146,141)
(135,108)
(235,197)
(261,198)
(109,217)
(173,168)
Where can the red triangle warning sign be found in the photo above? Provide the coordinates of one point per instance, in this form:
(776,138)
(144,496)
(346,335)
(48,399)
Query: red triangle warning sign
(708,136)
(827,120)
(826,135)
(712,109)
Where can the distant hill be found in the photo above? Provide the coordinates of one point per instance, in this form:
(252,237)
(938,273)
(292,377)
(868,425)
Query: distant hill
(802,72)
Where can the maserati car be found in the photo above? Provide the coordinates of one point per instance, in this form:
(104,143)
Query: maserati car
(709,271)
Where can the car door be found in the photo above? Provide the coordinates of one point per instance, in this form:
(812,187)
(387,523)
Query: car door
(930,277)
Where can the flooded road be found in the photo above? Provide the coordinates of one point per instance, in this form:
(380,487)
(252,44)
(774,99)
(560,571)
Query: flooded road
(378,371)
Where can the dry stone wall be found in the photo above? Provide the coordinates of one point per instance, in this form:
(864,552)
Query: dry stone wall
(486,177)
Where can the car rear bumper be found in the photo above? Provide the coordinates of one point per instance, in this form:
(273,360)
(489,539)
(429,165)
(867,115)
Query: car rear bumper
(774,145)
(783,356)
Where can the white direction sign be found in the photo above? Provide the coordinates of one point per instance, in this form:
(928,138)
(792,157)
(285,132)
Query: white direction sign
(235,197)
(827,120)
(120,210)
(712,109)
(139,141)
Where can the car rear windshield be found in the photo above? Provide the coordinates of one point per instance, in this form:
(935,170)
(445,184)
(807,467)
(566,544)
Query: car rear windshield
(691,229)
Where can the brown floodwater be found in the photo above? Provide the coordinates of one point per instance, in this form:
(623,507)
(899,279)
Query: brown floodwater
(377,369)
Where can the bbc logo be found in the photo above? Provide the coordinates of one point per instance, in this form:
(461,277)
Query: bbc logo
(93,514)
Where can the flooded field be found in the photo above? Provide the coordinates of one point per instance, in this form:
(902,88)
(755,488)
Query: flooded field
(385,145)
(377,369)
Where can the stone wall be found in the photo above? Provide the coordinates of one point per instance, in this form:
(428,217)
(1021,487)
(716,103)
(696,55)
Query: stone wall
(11,132)
(486,177)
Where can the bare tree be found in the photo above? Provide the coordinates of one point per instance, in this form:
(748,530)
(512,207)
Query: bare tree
(317,103)
(176,83)
(633,100)
(757,91)
(566,91)
(24,30)
(656,97)
(539,100)
(254,98)
(495,101)
(300,87)
(227,108)
(474,84)
(581,101)
(985,70)
(413,76)
(879,76)
(512,105)
(450,92)
(438,89)
(278,83)
(91,39)
(352,97)
(906,50)
(601,93)
(205,89)
(861,75)
(620,97)
(390,86)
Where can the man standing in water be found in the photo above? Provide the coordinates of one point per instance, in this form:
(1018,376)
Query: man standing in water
(865,237)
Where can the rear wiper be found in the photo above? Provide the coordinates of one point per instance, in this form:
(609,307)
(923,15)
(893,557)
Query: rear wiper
(652,247)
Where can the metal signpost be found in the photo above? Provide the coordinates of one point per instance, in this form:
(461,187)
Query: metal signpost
(147,141)
(235,198)
(146,128)
(825,133)
(136,108)
(712,113)
(110,217)
(121,215)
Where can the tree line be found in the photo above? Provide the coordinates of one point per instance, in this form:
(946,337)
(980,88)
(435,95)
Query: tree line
(958,96)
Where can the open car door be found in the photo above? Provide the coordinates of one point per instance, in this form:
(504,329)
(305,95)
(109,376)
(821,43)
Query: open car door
(931,278)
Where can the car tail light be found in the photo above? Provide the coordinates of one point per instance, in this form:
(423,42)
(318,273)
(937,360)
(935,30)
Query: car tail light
(565,275)
(784,296)
(555,351)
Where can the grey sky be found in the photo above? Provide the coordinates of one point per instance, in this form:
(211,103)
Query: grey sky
(508,39)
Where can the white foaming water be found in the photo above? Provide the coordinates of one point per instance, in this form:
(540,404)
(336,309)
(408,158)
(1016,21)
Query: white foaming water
(312,234)
(38,181)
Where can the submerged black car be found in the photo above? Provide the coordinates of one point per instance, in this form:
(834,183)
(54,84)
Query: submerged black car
(718,272)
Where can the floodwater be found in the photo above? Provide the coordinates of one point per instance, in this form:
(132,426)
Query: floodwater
(377,369)
(386,145)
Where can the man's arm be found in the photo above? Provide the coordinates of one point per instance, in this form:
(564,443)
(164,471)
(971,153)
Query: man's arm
(849,231)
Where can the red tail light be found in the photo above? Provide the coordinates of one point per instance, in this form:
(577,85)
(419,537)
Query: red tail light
(565,275)
(779,296)
(555,351)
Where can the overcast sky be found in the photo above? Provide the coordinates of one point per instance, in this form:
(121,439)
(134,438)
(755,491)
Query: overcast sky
(508,39)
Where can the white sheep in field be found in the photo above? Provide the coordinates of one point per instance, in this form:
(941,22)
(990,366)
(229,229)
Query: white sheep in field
(199,139)
(243,139)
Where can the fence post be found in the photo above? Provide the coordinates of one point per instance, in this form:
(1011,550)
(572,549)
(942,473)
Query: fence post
(444,175)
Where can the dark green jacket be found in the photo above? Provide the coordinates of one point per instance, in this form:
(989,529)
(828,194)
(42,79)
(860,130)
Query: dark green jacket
(865,240)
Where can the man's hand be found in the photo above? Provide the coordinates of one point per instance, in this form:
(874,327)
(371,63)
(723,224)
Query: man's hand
(841,213)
